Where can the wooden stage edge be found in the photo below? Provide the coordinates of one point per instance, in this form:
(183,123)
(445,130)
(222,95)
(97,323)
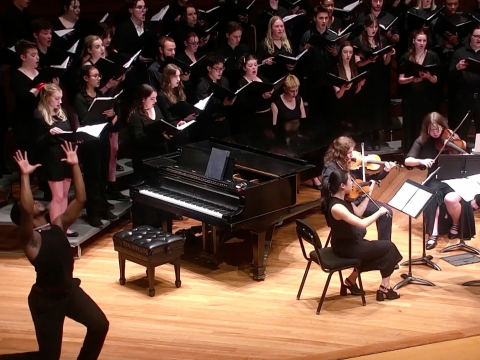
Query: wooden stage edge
(221,313)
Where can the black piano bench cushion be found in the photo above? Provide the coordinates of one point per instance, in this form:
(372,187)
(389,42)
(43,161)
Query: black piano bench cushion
(331,261)
(148,240)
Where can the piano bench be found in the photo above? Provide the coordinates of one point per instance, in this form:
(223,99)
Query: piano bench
(150,247)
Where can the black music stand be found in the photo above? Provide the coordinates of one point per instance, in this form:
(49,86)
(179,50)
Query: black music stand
(454,167)
(411,199)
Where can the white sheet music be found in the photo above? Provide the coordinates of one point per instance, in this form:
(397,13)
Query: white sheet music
(92,130)
(401,198)
(417,202)
(203,103)
(187,124)
(467,188)
(160,15)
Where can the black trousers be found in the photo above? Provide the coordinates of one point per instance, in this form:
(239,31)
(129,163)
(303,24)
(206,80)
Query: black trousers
(458,109)
(384,222)
(48,314)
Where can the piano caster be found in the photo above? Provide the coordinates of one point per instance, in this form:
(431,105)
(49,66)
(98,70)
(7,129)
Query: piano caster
(122,281)
(178,283)
(259,273)
(210,258)
(259,277)
(151,292)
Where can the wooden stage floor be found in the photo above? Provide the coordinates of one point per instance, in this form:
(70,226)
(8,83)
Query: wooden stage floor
(220,313)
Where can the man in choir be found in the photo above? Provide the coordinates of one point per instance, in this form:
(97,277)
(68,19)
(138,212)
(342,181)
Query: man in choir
(233,51)
(16,22)
(166,47)
(319,61)
(464,84)
(42,34)
(375,7)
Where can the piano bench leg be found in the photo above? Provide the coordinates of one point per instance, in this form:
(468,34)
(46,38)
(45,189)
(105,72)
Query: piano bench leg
(176,264)
(151,280)
(121,262)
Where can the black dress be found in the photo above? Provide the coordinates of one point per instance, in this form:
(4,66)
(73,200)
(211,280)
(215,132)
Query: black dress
(275,71)
(285,114)
(427,150)
(182,137)
(50,151)
(418,100)
(347,242)
(347,106)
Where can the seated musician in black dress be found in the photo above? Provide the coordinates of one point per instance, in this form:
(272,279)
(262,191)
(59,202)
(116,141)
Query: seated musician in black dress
(50,120)
(276,42)
(338,156)
(348,223)
(145,143)
(423,152)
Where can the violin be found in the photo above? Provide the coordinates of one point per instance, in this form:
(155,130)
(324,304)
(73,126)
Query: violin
(454,145)
(363,187)
(372,162)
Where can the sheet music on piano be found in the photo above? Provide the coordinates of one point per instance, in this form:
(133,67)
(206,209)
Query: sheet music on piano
(410,199)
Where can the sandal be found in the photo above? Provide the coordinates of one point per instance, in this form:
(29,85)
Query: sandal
(383,293)
(432,242)
(451,235)
(353,288)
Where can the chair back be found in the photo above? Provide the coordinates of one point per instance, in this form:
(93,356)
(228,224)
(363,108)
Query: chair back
(307,233)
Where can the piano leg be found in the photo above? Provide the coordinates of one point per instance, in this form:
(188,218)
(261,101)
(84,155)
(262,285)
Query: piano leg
(167,223)
(259,240)
(210,242)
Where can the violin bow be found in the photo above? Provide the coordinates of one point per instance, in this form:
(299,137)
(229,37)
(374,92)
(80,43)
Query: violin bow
(451,135)
(364,192)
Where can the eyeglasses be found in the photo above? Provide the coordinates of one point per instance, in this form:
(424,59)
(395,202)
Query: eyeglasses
(193,43)
(436,129)
(96,76)
(141,8)
(218,69)
(476,36)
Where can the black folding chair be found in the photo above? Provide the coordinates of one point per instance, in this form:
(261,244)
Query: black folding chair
(326,259)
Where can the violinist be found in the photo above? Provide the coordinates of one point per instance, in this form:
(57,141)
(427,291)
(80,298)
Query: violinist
(348,223)
(423,152)
(338,156)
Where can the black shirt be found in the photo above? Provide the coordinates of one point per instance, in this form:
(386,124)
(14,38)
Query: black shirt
(286,114)
(384,18)
(216,107)
(275,71)
(154,76)
(342,232)
(232,58)
(16,25)
(464,81)
(127,42)
(423,88)
(424,150)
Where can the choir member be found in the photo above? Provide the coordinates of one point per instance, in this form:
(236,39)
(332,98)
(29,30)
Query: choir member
(50,120)
(25,93)
(338,156)
(15,24)
(288,109)
(95,155)
(347,103)
(145,143)
(334,23)
(189,24)
(105,33)
(189,56)
(464,84)
(348,223)
(233,51)
(420,94)
(56,294)
(424,8)
(376,8)
(275,43)
(70,19)
(438,218)
(171,92)
(263,19)
(166,47)
(377,86)
(42,33)
(173,16)
(254,113)
(218,124)
(318,62)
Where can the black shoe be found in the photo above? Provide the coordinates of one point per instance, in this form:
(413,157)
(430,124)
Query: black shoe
(108,215)
(431,243)
(72,234)
(177,217)
(353,288)
(94,220)
(119,168)
(387,293)
(117,195)
(453,235)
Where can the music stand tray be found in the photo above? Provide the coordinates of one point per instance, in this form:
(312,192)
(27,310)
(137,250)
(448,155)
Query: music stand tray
(454,166)
(411,199)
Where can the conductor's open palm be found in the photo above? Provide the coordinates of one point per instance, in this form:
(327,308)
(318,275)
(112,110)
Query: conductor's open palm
(70,153)
(23,164)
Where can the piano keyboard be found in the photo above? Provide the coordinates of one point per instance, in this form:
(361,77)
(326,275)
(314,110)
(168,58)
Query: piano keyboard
(186,202)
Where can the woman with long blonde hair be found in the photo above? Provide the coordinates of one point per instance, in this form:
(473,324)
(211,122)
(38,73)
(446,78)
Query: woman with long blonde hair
(51,120)
(275,43)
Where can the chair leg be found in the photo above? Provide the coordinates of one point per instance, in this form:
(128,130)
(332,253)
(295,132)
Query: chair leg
(343,288)
(364,302)
(151,280)
(324,293)
(121,262)
(303,280)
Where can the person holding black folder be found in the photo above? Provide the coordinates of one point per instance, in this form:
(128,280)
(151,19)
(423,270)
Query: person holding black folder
(251,112)
(233,51)
(95,155)
(275,43)
(334,22)
(464,82)
(146,142)
(42,34)
(421,96)
(417,18)
(376,8)
(273,8)
(347,103)
(377,86)
(173,16)
(439,219)
(189,56)
(51,120)
(189,24)
(348,223)
(25,93)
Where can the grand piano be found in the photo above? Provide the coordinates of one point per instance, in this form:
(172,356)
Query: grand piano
(258,191)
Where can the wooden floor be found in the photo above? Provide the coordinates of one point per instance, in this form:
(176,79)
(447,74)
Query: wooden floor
(220,313)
